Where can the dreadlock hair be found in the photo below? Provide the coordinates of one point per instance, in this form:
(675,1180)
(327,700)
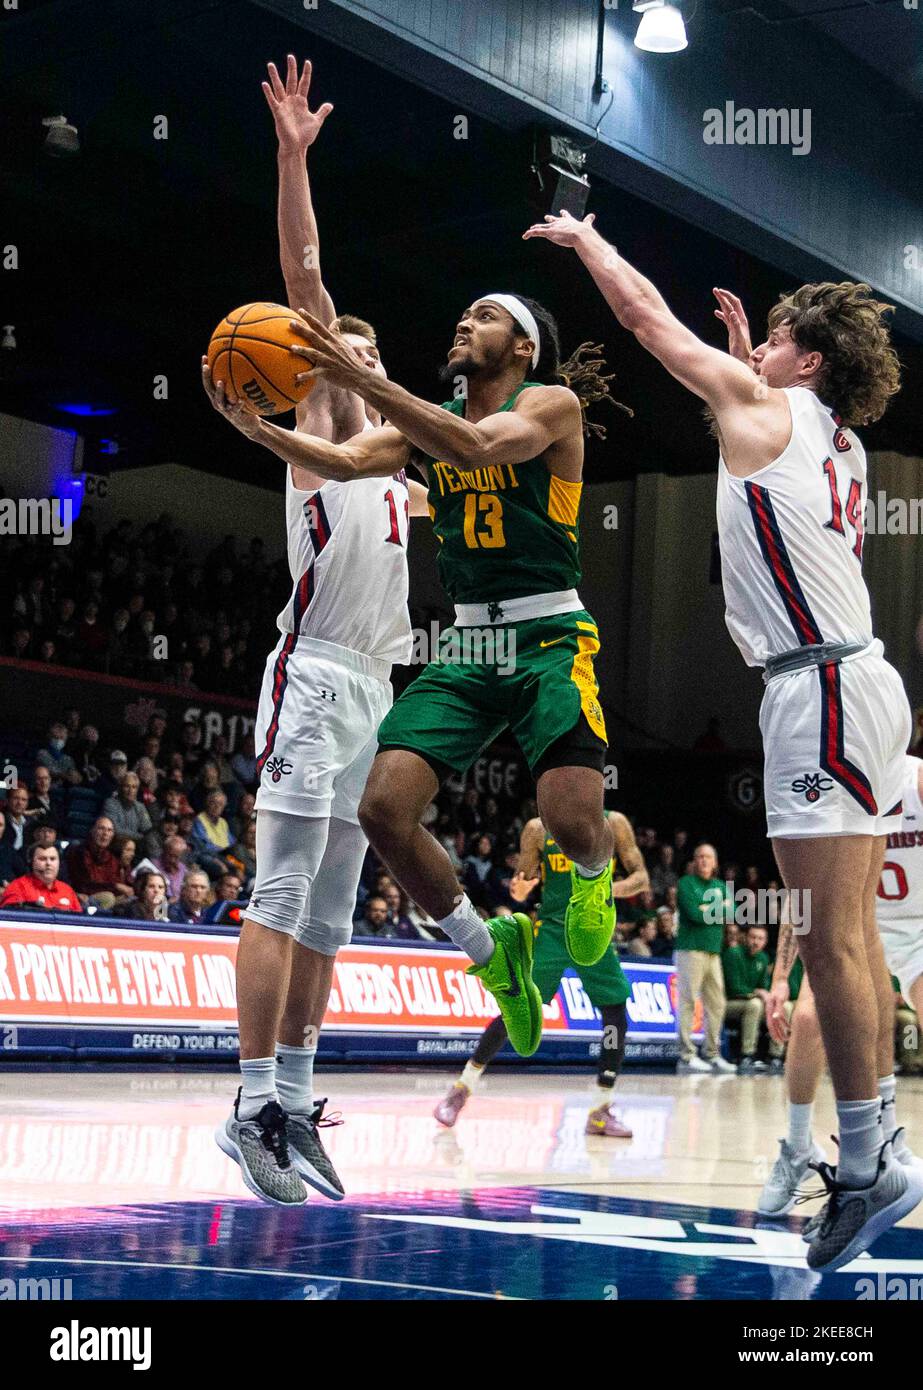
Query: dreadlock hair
(860,371)
(582,373)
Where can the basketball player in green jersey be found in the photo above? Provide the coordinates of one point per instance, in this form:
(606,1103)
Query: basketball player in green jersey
(504,463)
(606,986)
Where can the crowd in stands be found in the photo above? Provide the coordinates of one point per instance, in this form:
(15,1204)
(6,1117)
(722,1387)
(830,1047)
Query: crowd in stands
(165,830)
(143,602)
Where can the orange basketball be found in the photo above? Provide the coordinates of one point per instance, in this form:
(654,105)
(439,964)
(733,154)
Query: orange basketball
(249,352)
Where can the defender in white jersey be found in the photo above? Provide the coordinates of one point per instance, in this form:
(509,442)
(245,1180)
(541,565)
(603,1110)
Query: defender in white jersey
(835,720)
(325,690)
(900,922)
(900,891)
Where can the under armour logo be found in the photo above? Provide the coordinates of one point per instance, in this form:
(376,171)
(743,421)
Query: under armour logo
(328,695)
(494,612)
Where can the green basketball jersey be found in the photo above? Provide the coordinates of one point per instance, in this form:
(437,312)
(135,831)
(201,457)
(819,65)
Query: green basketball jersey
(556,886)
(504,531)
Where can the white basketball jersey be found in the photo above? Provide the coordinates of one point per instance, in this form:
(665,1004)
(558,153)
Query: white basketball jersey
(791,537)
(900,888)
(347,552)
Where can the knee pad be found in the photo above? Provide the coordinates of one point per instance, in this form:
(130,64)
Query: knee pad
(325,938)
(279,901)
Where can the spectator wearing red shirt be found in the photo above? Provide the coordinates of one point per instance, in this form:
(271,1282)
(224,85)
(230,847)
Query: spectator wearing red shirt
(95,872)
(41,887)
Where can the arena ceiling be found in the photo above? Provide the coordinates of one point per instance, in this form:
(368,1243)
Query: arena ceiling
(130,252)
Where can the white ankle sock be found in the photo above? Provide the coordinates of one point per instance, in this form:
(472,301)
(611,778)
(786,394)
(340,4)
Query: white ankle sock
(887,1089)
(860,1141)
(467,930)
(258,1078)
(602,1097)
(295,1078)
(799,1127)
(591,870)
(471,1075)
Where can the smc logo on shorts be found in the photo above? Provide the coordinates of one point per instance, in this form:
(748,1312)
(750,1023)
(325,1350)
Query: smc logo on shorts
(812,784)
(278,768)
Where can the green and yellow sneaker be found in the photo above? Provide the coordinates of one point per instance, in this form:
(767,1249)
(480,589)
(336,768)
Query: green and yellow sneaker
(508,976)
(590,917)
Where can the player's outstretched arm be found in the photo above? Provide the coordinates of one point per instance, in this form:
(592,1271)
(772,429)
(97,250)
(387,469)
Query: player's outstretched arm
(626,847)
(542,415)
(638,305)
(297,127)
(371,454)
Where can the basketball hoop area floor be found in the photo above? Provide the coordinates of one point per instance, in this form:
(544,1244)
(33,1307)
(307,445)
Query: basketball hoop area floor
(113,1180)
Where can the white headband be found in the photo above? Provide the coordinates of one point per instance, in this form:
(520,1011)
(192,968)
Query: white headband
(522,316)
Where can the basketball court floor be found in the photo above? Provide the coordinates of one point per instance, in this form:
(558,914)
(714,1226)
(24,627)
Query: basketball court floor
(112,1180)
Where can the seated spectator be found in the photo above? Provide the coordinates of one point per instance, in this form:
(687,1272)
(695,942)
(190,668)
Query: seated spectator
(172,865)
(92,639)
(641,943)
(665,940)
(11,861)
(125,849)
(127,813)
(243,815)
(228,889)
(398,923)
(243,763)
(193,899)
(65,629)
(147,783)
(211,835)
(177,776)
(219,755)
(663,874)
(18,823)
(95,872)
(190,745)
(747,979)
(56,758)
(150,904)
(374,917)
(20,644)
(111,779)
(731,934)
(87,755)
(208,780)
(41,887)
(478,871)
(241,857)
(43,803)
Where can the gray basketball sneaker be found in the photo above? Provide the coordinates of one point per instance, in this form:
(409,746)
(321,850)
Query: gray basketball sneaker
(904,1155)
(855,1217)
(260,1147)
(789,1171)
(308,1153)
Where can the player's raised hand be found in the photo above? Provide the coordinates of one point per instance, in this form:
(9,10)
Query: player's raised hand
(297,126)
(563,230)
(731,313)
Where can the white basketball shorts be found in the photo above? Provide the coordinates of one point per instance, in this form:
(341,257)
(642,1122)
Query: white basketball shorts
(835,739)
(317,727)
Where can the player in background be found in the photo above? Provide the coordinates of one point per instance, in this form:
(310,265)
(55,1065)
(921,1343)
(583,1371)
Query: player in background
(835,720)
(542,860)
(504,460)
(325,690)
(900,922)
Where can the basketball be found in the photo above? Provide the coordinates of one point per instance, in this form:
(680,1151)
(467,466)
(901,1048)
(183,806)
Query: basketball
(249,352)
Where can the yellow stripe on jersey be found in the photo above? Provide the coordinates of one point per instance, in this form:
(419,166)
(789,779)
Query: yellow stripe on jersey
(564,500)
(584,678)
